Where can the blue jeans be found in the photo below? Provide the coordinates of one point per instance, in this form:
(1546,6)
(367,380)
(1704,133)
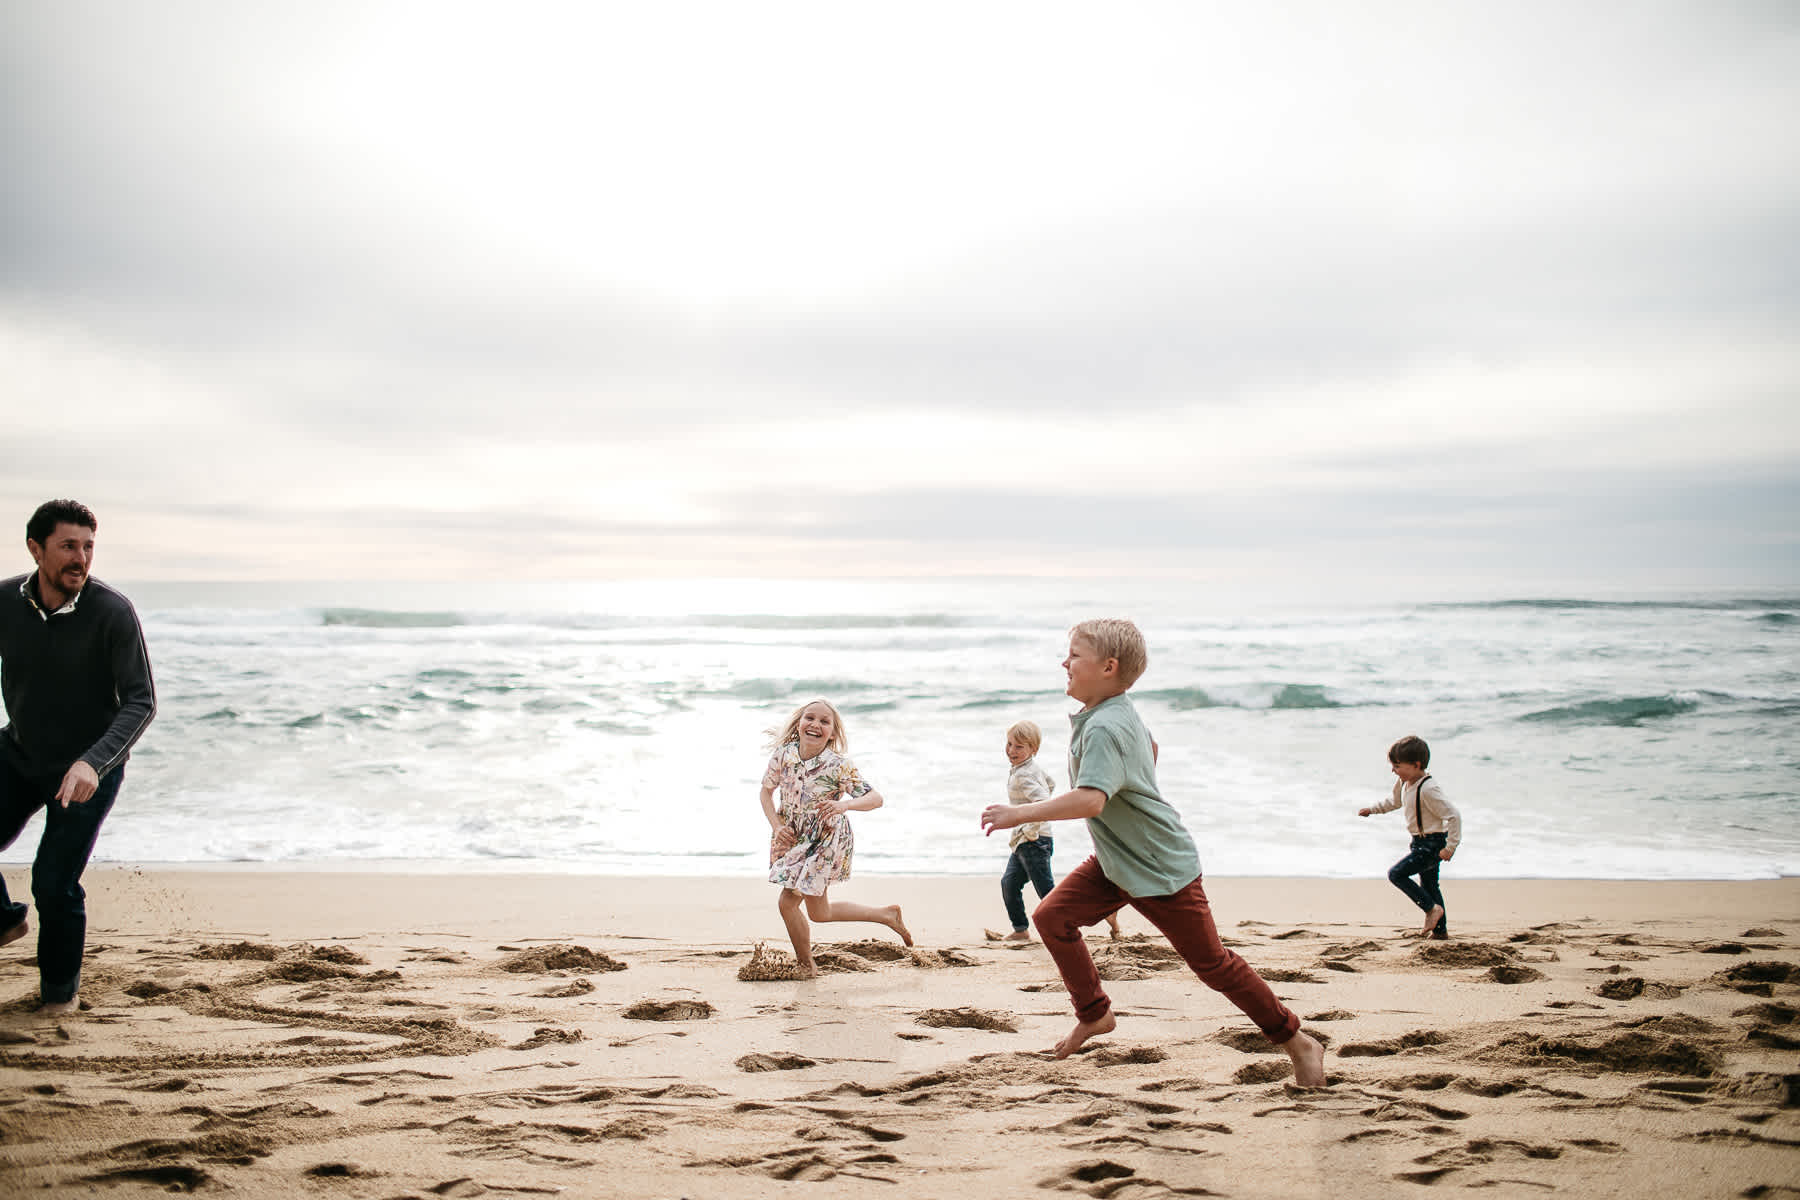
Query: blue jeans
(1422,860)
(62,855)
(1029,860)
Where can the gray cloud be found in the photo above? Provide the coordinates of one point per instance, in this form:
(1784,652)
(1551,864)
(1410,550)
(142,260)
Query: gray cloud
(1321,199)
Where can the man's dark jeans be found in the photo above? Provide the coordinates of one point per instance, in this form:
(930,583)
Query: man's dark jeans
(1030,860)
(69,836)
(1422,860)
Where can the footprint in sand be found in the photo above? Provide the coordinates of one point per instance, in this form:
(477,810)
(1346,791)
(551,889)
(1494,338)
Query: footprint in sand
(967,1018)
(757,1063)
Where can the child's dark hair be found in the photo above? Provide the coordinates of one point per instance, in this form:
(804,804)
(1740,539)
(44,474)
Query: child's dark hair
(1410,749)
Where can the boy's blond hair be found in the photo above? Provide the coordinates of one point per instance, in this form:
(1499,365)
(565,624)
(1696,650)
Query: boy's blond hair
(790,731)
(1115,637)
(1026,733)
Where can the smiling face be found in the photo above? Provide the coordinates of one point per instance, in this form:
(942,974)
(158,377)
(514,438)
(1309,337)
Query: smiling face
(1017,751)
(1091,678)
(62,561)
(816,728)
(1408,772)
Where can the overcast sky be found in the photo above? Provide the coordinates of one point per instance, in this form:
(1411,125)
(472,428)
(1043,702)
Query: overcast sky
(1494,297)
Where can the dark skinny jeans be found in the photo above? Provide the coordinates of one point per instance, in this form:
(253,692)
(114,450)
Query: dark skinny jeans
(1422,860)
(62,855)
(1030,860)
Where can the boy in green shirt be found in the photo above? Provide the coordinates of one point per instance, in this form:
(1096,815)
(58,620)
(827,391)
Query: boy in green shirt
(1143,855)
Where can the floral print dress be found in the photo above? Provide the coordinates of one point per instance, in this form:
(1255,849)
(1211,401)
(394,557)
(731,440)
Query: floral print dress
(821,854)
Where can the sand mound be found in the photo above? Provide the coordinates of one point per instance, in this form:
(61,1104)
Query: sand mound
(1509,974)
(1634,1052)
(238,950)
(668,1010)
(544,959)
(1464,954)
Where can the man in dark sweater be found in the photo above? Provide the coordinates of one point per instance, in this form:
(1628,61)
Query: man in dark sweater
(78,692)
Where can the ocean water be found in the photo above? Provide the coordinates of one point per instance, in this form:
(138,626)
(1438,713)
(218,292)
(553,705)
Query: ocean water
(622,727)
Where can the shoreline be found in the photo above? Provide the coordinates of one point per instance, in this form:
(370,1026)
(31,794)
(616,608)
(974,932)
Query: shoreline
(948,908)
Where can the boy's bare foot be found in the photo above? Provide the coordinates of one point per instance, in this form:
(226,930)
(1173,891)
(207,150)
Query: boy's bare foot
(1087,1029)
(896,924)
(1018,935)
(1309,1059)
(1438,935)
(16,932)
(61,1008)
(1113,924)
(1431,919)
(806,970)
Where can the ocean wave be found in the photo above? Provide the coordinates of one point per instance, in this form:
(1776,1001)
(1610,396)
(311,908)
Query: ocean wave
(1722,604)
(1182,699)
(1268,695)
(1003,699)
(1627,710)
(371,618)
(779,689)
(1303,695)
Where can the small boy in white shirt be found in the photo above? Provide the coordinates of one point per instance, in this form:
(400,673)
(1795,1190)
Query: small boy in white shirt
(1435,826)
(1031,844)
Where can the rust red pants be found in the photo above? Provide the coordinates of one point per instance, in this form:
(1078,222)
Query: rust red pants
(1086,896)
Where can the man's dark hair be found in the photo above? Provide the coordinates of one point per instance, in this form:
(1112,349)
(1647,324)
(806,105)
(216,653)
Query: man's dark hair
(1410,749)
(52,513)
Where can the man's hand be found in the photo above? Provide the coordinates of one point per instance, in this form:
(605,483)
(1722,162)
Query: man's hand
(78,785)
(999,816)
(1446,854)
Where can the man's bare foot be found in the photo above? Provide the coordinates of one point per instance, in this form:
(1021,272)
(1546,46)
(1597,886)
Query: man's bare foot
(16,932)
(896,924)
(1018,935)
(1309,1059)
(1431,920)
(61,1008)
(1083,1031)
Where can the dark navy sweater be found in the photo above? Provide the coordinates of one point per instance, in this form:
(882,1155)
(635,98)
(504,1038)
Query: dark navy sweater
(76,682)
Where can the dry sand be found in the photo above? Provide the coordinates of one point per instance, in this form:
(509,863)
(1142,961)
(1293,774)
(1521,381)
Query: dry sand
(291,1033)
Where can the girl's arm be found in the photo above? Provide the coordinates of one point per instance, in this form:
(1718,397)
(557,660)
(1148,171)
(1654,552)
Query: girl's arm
(1076,802)
(784,837)
(869,801)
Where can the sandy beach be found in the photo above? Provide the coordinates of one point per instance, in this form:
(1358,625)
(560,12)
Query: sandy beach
(304,1033)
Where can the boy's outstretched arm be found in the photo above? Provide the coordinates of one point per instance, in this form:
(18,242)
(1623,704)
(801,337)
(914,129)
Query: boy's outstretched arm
(1076,802)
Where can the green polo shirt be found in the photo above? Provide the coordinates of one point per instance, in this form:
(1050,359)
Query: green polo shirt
(1142,845)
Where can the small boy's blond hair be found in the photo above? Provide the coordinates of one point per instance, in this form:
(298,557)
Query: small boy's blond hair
(1026,733)
(1115,637)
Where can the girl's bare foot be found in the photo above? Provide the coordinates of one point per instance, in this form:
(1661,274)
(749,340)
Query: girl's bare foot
(1018,935)
(1088,1029)
(1431,920)
(1309,1059)
(896,924)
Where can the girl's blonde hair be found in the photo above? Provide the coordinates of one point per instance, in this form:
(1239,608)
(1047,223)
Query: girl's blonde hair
(790,730)
(1026,733)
